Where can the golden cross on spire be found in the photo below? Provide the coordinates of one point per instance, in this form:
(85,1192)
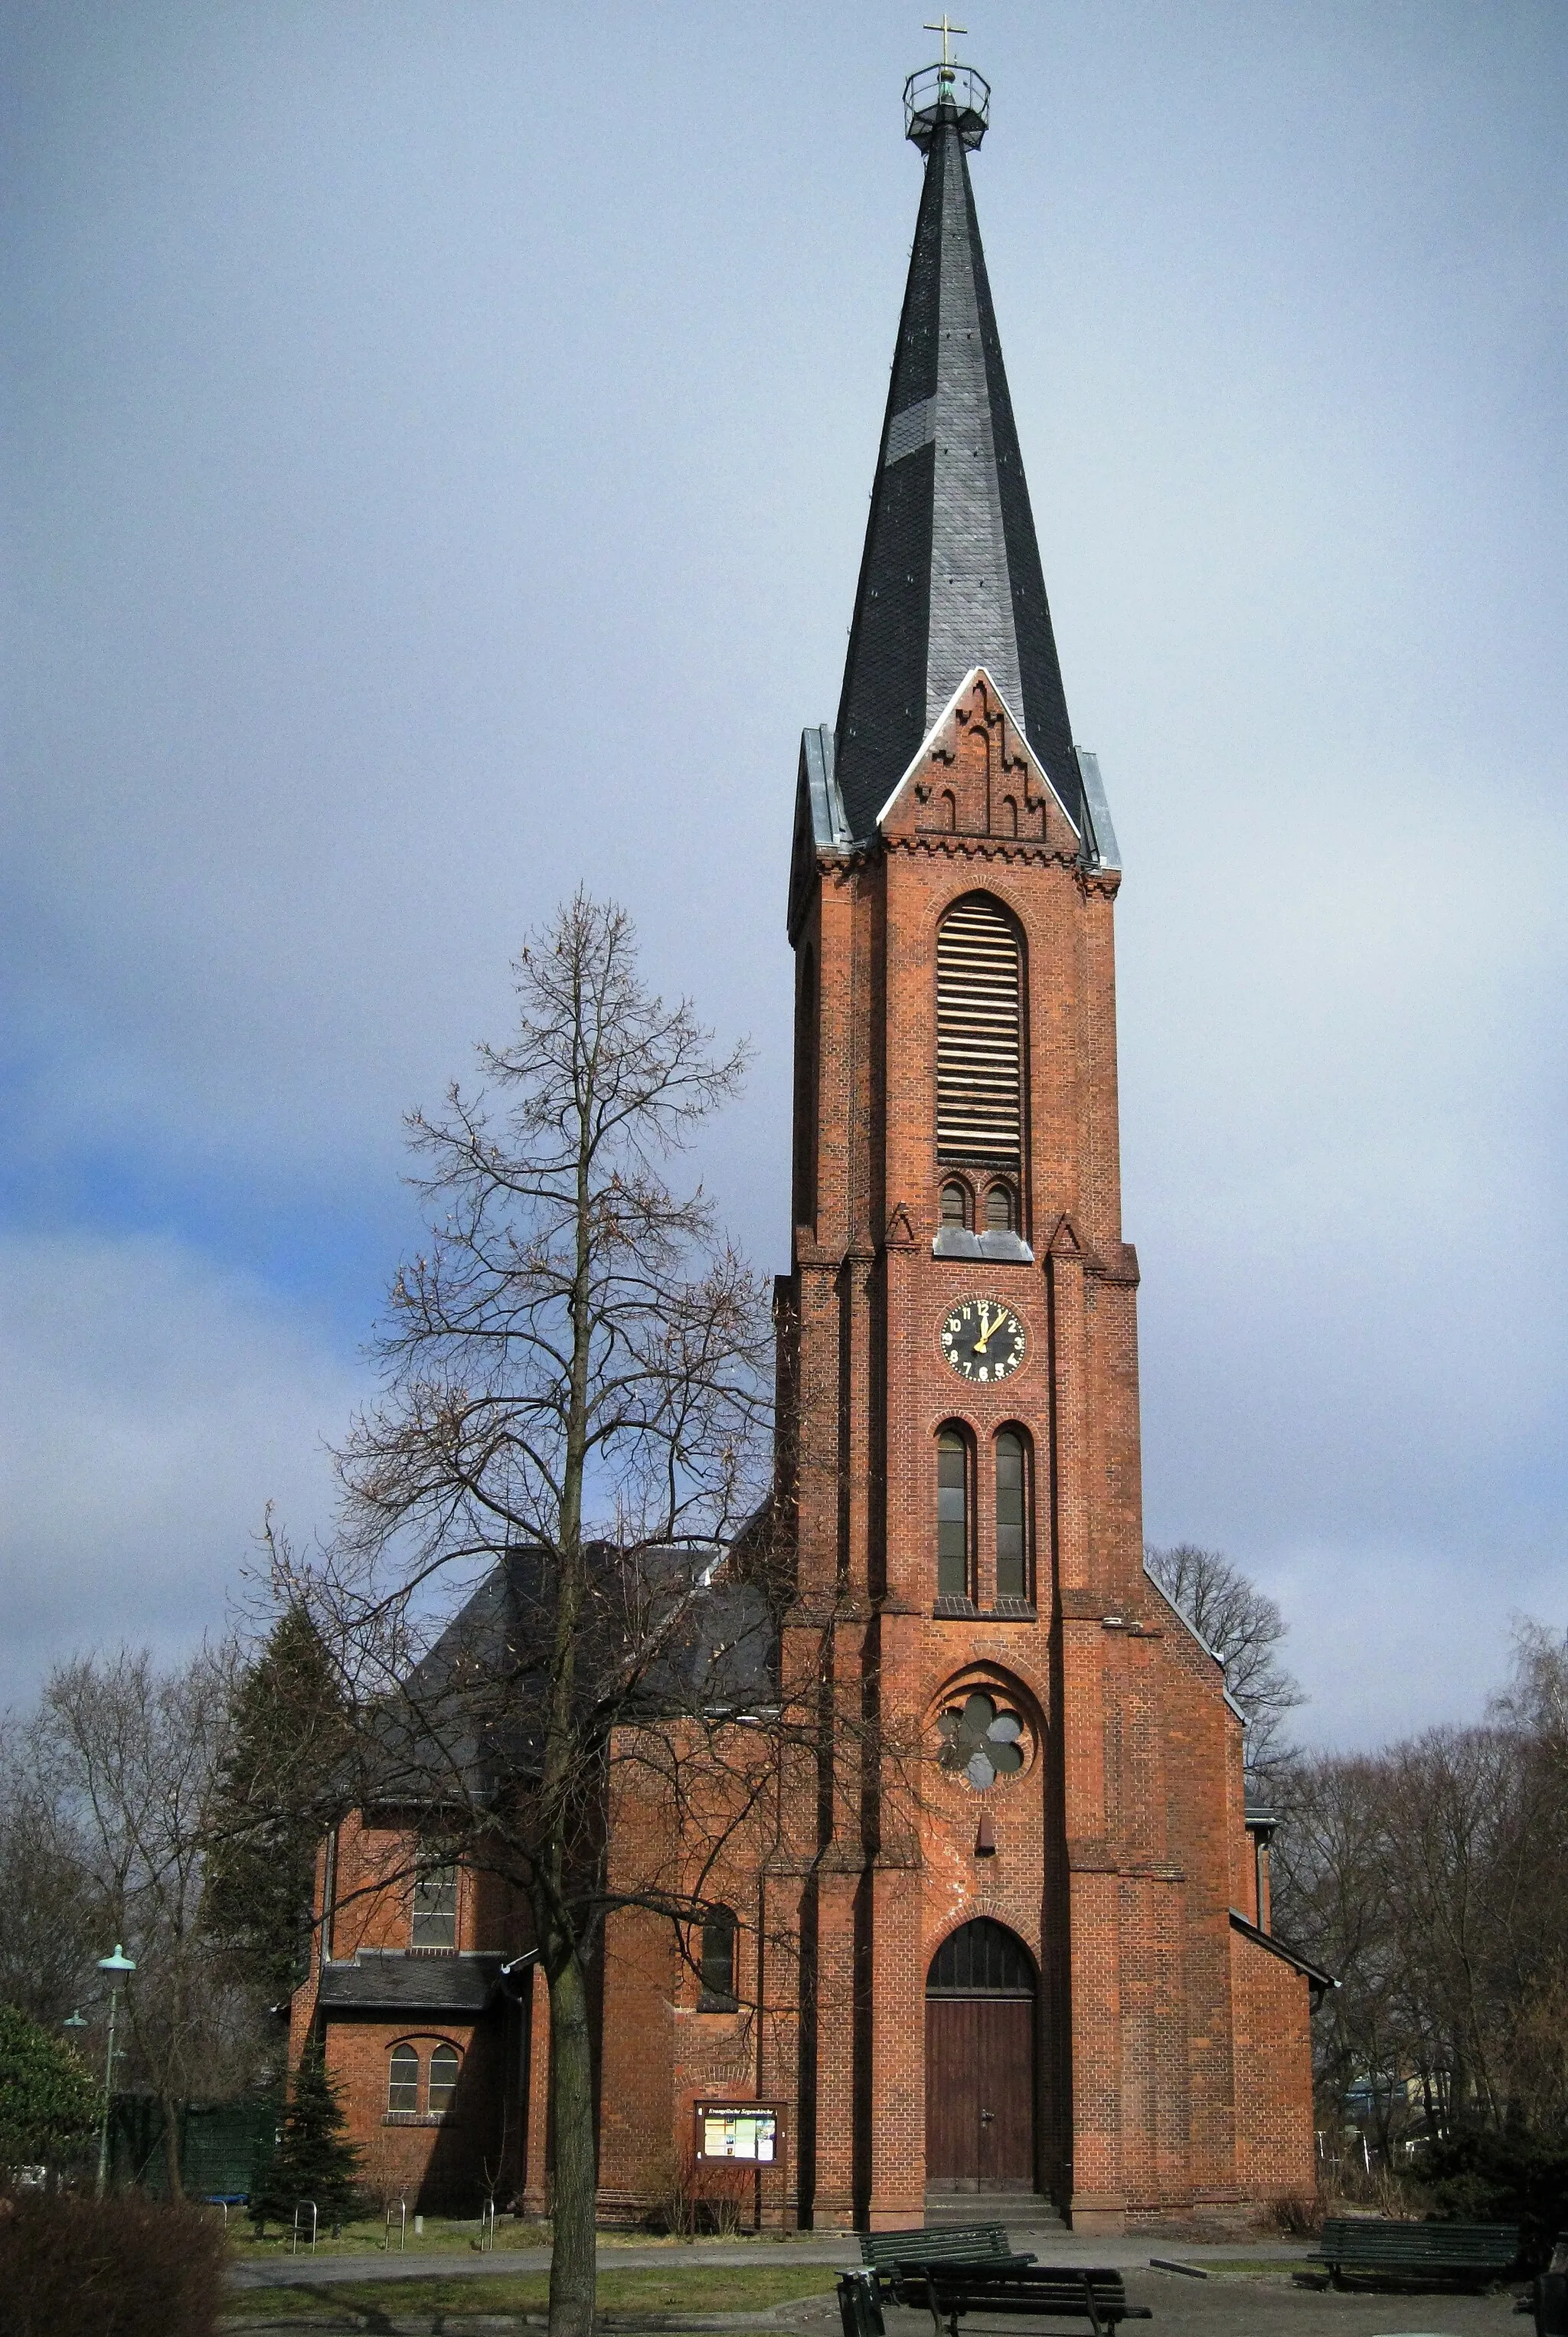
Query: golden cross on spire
(944,28)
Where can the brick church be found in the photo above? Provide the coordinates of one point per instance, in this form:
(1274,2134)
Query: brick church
(1045,1966)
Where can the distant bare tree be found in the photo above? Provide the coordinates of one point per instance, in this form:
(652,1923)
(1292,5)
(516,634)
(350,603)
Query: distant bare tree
(50,1921)
(1244,1627)
(525,1594)
(125,1757)
(1432,1878)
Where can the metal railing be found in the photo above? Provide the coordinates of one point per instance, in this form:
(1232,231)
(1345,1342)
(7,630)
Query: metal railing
(953,92)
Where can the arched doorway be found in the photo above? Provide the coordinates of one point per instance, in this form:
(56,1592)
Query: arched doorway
(980,1996)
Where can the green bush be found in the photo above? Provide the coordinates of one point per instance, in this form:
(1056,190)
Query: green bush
(1477,2177)
(48,2103)
(123,2266)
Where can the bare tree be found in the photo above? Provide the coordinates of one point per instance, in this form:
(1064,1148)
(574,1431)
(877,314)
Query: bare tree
(124,1759)
(527,1594)
(1429,1877)
(51,1924)
(1244,1627)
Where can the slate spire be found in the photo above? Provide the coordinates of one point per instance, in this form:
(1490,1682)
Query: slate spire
(951,577)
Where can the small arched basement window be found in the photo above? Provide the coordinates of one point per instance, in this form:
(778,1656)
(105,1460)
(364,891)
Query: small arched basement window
(980,1035)
(403,2079)
(718,1970)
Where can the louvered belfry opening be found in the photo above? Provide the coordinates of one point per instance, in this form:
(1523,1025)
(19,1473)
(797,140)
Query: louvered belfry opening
(979,1035)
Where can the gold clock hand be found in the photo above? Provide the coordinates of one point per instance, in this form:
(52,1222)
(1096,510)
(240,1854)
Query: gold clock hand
(987,1329)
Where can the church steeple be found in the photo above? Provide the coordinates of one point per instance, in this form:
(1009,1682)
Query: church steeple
(951,577)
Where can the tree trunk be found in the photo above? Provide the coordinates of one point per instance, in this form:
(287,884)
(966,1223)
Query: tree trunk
(171,2109)
(575,2190)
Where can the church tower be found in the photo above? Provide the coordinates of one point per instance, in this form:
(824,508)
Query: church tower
(1034,1939)
(987,1913)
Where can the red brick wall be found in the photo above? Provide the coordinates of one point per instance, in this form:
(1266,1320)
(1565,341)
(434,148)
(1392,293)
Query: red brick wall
(1173,2061)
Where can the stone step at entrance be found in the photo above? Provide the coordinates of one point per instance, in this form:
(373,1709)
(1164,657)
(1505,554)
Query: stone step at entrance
(1018,2210)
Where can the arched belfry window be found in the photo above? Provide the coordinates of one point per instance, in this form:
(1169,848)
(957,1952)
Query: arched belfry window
(980,1035)
(1001,1216)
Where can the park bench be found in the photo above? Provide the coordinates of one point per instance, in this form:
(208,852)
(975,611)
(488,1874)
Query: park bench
(1359,2245)
(971,2268)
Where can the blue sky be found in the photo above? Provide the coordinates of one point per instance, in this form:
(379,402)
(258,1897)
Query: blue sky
(438,444)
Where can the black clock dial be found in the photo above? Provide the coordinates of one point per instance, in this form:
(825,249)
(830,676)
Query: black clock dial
(983,1340)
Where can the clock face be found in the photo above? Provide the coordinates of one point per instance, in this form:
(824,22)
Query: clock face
(983,1340)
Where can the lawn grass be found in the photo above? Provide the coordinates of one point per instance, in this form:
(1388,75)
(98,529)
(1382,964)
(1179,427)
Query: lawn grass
(442,2235)
(696,2288)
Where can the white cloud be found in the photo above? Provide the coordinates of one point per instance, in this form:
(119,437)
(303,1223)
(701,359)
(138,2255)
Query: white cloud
(413,516)
(153,1404)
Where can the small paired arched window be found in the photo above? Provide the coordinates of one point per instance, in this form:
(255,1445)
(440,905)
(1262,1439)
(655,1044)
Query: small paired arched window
(955,1207)
(402,2079)
(414,2084)
(718,1939)
(1001,1211)
(952,1513)
(444,2068)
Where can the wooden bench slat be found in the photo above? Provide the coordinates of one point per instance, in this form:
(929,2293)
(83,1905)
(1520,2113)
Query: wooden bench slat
(964,2241)
(1375,2244)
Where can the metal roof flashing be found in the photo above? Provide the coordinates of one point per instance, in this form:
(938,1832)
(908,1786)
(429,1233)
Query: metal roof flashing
(829,825)
(1191,1627)
(1102,834)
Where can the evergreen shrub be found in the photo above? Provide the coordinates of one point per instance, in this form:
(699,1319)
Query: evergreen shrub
(314,2159)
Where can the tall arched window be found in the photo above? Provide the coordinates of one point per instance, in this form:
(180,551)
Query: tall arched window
(1012,1514)
(805,1101)
(719,1962)
(980,1035)
(952,1513)
(403,2079)
(444,2062)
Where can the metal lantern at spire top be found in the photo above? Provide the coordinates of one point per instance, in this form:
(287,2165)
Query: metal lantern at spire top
(947,93)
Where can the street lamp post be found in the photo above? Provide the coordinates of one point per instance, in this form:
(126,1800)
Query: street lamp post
(114,1965)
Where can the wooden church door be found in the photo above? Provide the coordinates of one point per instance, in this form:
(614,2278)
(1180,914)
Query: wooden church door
(980,2062)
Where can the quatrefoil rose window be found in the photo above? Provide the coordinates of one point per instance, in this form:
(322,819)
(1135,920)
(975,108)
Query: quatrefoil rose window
(981,1739)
